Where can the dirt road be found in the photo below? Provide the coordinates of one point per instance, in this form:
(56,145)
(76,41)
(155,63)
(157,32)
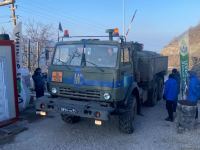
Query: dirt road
(152,132)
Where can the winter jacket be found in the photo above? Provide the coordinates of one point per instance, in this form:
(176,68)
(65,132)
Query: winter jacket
(171,90)
(193,89)
(39,82)
(178,79)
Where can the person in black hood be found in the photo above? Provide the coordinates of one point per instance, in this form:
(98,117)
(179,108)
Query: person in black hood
(39,83)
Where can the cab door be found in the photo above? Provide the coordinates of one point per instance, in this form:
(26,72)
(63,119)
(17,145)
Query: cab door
(126,70)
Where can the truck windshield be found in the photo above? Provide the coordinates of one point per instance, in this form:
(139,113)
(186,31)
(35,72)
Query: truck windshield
(95,55)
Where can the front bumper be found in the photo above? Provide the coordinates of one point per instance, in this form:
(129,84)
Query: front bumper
(88,109)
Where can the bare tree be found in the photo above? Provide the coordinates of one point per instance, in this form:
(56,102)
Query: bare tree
(41,37)
(3,31)
(39,32)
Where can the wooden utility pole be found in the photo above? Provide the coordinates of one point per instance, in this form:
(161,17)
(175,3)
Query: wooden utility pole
(38,54)
(29,55)
(12,8)
(124,18)
(13,13)
(6,2)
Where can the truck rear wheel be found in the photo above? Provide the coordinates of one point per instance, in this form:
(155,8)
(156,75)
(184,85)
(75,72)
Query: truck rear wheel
(127,117)
(160,88)
(70,119)
(153,95)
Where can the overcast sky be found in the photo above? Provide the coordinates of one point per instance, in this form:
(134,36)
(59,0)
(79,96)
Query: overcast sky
(156,23)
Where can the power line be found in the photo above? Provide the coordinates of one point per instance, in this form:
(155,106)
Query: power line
(72,17)
(5,22)
(50,16)
(6,16)
(39,13)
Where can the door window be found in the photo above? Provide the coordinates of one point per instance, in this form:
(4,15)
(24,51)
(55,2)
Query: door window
(125,56)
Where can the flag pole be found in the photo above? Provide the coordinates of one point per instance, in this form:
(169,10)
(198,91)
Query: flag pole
(123,17)
(59,29)
(129,27)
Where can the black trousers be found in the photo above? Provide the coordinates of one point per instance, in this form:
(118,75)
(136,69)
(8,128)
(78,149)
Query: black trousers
(170,106)
(175,105)
(39,93)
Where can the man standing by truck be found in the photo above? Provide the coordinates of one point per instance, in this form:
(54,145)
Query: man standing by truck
(193,94)
(170,95)
(39,83)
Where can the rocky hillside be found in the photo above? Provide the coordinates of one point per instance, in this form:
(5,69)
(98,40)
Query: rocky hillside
(172,49)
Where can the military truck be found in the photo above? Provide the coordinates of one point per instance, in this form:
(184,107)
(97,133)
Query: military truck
(95,79)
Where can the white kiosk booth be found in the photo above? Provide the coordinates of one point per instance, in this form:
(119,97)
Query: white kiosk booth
(8,84)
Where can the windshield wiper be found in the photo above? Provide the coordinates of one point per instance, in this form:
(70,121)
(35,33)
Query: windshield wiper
(75,54)
(83,59)
(63,63)
(96,66)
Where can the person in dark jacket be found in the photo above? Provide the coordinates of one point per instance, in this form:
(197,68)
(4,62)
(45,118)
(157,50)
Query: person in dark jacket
(193,93)
(170,95)
(39,83)
(177,77)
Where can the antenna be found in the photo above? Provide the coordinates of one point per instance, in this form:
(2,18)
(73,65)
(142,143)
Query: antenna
(123,17)
(129,27)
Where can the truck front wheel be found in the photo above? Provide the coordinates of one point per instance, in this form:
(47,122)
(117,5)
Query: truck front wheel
(127,117)
(70,119)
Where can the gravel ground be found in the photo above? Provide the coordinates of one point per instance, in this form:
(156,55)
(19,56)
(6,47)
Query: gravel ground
(151,133)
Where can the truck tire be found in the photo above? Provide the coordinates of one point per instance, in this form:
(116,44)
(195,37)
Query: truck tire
(160,88)
(153,95)
(127,117)
(70,119)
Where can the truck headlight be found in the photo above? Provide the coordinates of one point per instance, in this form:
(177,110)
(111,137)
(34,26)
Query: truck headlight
(106,96)
(53,90)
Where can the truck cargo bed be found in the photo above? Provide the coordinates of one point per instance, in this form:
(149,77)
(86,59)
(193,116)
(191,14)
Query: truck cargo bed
(149,64)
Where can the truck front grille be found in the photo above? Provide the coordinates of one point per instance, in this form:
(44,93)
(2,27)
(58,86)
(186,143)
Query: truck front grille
(77,94)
